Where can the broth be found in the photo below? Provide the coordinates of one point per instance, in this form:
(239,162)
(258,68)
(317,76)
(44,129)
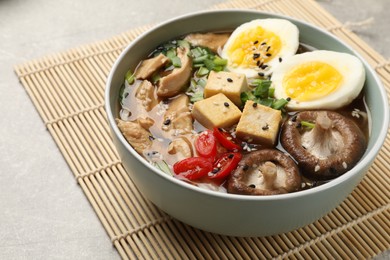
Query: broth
(132,110)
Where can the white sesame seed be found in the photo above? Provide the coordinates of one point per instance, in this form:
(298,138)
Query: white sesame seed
(345,165)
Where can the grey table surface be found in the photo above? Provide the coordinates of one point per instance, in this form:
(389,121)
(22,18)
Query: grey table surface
(43,212)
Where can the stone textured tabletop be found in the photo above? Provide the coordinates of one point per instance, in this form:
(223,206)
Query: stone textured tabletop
(44,214)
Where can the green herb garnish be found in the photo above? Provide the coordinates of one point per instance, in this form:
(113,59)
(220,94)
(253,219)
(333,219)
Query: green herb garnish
(130,77)
(163,166)
(308,124)
(262,93)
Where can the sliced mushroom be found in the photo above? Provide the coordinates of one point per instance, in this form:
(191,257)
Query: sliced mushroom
(328,150)
(146,94)
(175,82)
(213,41)
(150,66)
(181,147)
(178,116)
(135,134)
(265,172)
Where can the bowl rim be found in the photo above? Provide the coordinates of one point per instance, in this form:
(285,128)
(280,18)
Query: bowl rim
(367,160)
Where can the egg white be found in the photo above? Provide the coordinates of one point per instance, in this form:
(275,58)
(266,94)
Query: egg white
(349,66)
(287,32)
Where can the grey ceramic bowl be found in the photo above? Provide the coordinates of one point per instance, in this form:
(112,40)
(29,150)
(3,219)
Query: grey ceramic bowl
(230,214)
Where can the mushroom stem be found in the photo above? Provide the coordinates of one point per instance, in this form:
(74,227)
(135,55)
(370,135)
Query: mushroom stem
(269,171)
(322,141)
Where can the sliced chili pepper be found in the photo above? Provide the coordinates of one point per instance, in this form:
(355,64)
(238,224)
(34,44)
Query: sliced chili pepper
(224,165)
(226,139)
(193,168)
(206,144)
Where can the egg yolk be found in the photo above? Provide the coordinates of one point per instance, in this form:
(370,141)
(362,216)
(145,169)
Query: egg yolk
(253,47)
(311,81)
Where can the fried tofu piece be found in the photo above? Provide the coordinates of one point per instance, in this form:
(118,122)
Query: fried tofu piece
(259,124)
(229,83)
(216,111)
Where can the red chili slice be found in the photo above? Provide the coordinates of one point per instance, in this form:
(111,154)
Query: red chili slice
(224,165)
(193,168)
(206,144)
(226,139)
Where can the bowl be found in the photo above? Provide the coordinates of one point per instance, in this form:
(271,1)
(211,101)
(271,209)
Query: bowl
(230,214)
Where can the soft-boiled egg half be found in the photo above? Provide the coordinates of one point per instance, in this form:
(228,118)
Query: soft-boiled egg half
(255,48)
(319,80)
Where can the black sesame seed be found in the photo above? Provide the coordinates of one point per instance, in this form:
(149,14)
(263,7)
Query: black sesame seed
(154,152)
(288,99)
(263,43)
(258,63)
(151,137)
(256,42)
(265,128)
(280,59)
(226,104)
(256,55)
(167,122)
(246,167)
(269,47)
(264,67)
(230,156)
(229,80)
(126,94)
(261,74)
(299,125)
(215,170)
(294,118)
(252,186)
(268,54)
(254,104)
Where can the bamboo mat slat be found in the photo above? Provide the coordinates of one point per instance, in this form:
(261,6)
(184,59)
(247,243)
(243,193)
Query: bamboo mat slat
(67,90)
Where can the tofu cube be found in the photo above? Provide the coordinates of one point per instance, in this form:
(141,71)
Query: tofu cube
(229,83)
(259,124)
(216,111)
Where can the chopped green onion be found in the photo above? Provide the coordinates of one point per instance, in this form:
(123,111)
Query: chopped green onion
(171,53)
(218,68)
(155,78)
(266,102)
(176,62)
(197,52)
(279,104)
(197,96)
(271,92)
(163,166)
(130,77)
(183,43)
(200,59)
(220,62)
(202,72)
(202,82)
(308,124)
(209,64)
(245,96)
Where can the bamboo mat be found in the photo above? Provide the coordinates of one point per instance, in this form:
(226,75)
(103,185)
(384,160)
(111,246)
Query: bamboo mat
(67,90)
